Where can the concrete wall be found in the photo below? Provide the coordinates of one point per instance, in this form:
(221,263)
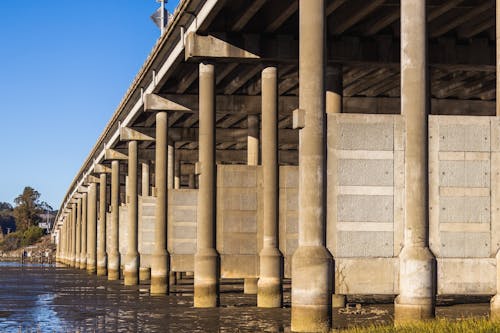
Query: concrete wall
(182,205)
(123,233)
(146,229)
(463,187)
(365,213)
(239,219)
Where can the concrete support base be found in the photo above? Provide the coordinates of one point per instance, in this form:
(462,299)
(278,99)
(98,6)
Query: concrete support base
(338,301)
(206,281)
(113,274)
(159,274)
(416,300)
(91,268)
(131,270)
(144,273)
(270,286)
(495,308)
(311,298)
(172,279)
(102,263)
(250,286)
(83,263)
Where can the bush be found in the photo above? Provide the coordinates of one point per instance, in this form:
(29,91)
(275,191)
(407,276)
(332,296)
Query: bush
(31,235)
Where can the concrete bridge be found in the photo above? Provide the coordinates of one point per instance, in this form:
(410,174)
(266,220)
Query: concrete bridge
(352,146)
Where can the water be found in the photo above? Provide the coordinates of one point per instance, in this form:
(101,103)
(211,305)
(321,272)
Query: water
(55,299)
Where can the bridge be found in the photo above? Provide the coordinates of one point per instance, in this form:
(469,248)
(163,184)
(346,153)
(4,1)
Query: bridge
(350,146)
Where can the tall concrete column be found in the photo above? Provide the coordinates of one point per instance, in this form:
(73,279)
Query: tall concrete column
(159,259)
(83,242)
(112,228)
(73,235)
(131,271)
(171,166)
(145,179)
(250,284)
(78,232)
(253,139)
(269,293)
(417,266)
(92,230)
(495,301)
(62,237)
(102,260)
(311,297)
(206,259)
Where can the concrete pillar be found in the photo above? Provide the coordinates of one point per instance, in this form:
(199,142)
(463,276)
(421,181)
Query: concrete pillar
(92,230)
(270,293)
(83,242)
(334,90)
(206,259)
(78,226)
(495,301)
(131,271)
(145,179)
(177,173)
(112,228)
(73,236)
(311,297)
(417,266)
(62,240)
(253,139)
(102,260)
(159,259)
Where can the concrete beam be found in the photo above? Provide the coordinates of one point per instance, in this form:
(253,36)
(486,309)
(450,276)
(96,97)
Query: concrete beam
(91,179)
(154,102)
(100,168)
(130,134)
(113,154)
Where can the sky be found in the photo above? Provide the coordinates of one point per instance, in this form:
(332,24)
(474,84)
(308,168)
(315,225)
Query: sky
(64,68)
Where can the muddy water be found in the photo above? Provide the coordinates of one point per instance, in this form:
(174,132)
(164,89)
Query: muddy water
(35,298)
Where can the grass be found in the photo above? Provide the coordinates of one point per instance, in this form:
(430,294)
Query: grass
(473,325)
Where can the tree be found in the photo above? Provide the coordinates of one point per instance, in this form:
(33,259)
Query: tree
(5,206)
(27,209)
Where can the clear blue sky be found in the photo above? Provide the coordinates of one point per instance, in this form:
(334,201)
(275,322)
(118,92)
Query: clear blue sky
(64,67)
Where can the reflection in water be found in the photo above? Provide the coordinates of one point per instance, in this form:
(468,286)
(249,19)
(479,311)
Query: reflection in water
(54,299)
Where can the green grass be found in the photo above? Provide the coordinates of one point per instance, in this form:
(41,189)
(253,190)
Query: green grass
(473,325)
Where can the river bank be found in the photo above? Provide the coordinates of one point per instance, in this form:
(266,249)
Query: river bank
(43,251)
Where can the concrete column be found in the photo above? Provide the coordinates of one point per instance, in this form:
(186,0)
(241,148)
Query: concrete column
(102,260)
(78,226)
(334,91)
(271,260)
(417,266)
(311,297)
(92,230)
(73,236)
(177,174)
(495,301)
(253,139)
(145,179)
(114,254)
(131,271)
(83,242)
(206,259)
(159,259)
(62,238)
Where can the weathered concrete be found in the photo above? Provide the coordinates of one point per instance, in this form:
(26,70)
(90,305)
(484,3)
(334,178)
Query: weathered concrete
(270,293)
(206,260)
(417,281)
(160,257)
(253,140)
(146,235)
(102,260)
(78,232)
(112,227)
(72,258)
(92,229)
(145,179)
(311,298)
(131,271)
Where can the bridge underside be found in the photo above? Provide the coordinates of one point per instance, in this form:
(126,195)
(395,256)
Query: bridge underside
(361,139)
